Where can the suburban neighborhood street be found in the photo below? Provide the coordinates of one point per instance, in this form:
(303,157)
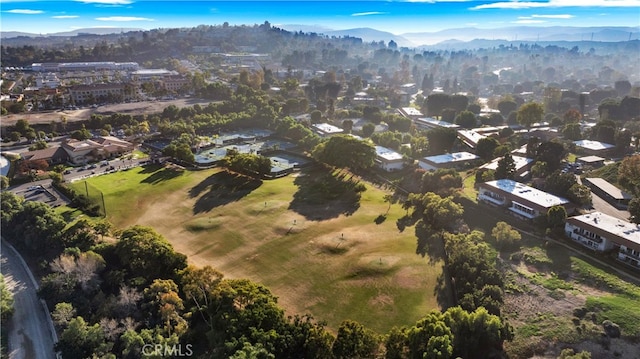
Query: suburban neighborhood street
(30,332)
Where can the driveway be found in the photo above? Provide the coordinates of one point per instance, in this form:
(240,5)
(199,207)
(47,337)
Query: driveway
(30,334)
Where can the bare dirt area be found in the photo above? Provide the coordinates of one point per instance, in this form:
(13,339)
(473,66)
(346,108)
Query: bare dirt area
(133,108)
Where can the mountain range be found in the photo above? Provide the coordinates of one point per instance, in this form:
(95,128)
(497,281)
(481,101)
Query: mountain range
(449,38)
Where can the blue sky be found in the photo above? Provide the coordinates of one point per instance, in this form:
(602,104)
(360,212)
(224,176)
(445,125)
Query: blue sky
(393,16)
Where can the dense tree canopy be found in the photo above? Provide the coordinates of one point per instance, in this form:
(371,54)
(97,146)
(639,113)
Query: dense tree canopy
(346,151)
(530,113)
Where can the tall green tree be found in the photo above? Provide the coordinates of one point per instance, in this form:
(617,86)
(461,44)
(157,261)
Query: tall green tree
(355,341)
(486,146)
(530,113)
(505,235)
(506,168)
(556,216)
(634,210)
(346,151)
(145,253)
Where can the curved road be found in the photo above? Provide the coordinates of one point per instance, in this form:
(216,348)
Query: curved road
(30,328)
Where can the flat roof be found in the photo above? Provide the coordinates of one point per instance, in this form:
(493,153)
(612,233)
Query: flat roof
(327,128)
(589,159)
(608,188)
(451,157)
(517,160)
(593,145)
(471,135)
(522,150)
(437,123)
(527,193)
(387,154)
(412,111)
(607,223)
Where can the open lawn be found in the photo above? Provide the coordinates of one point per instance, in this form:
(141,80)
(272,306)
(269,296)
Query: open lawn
(322,247)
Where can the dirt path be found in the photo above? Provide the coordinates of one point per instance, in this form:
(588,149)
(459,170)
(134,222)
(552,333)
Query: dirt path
(30,332)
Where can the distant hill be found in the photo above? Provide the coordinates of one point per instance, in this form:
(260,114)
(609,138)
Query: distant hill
(365,33)
(527,33)
(370,35)
(304,28)
(90,30)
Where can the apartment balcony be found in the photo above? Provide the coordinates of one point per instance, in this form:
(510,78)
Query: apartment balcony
(628,258)
(499,201)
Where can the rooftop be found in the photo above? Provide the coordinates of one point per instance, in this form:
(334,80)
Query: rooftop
(517,160)
(429,121)
(451,157)
(589,159)
(593,145)
(412,111)
(387,154)
(608,188)
(528,193)
(611,225)
(327,128)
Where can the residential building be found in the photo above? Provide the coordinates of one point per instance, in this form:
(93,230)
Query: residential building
(522,165)
(430,122)
(447,160)
(521,200)
(325,129)
(388,159)
(593,161)
(410,112)
(601,232)
(596,148)
(607,191)
(470,137)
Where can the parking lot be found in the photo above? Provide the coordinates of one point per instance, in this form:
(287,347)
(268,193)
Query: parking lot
(40,191)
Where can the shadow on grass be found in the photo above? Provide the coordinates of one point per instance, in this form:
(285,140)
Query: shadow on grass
(162,175)
(220,189)
(151,168)
(559,257)
(324,195)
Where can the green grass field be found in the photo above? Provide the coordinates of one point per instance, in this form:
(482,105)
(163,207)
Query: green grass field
(329,255)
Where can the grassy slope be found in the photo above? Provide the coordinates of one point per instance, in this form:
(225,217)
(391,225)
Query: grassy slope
(342,267)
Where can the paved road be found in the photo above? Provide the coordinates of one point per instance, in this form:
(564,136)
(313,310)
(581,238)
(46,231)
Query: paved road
(30,334)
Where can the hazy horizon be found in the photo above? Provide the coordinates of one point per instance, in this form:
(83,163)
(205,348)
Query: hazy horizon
(397,17)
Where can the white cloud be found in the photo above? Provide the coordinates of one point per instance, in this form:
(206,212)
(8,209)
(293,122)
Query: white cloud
(65,17)
(558,16)
(368,13)
(557,3)
(25,11)
(124,18)
(107,2)
(528,21)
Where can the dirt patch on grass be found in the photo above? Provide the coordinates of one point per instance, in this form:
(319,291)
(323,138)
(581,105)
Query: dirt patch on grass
(407,277)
